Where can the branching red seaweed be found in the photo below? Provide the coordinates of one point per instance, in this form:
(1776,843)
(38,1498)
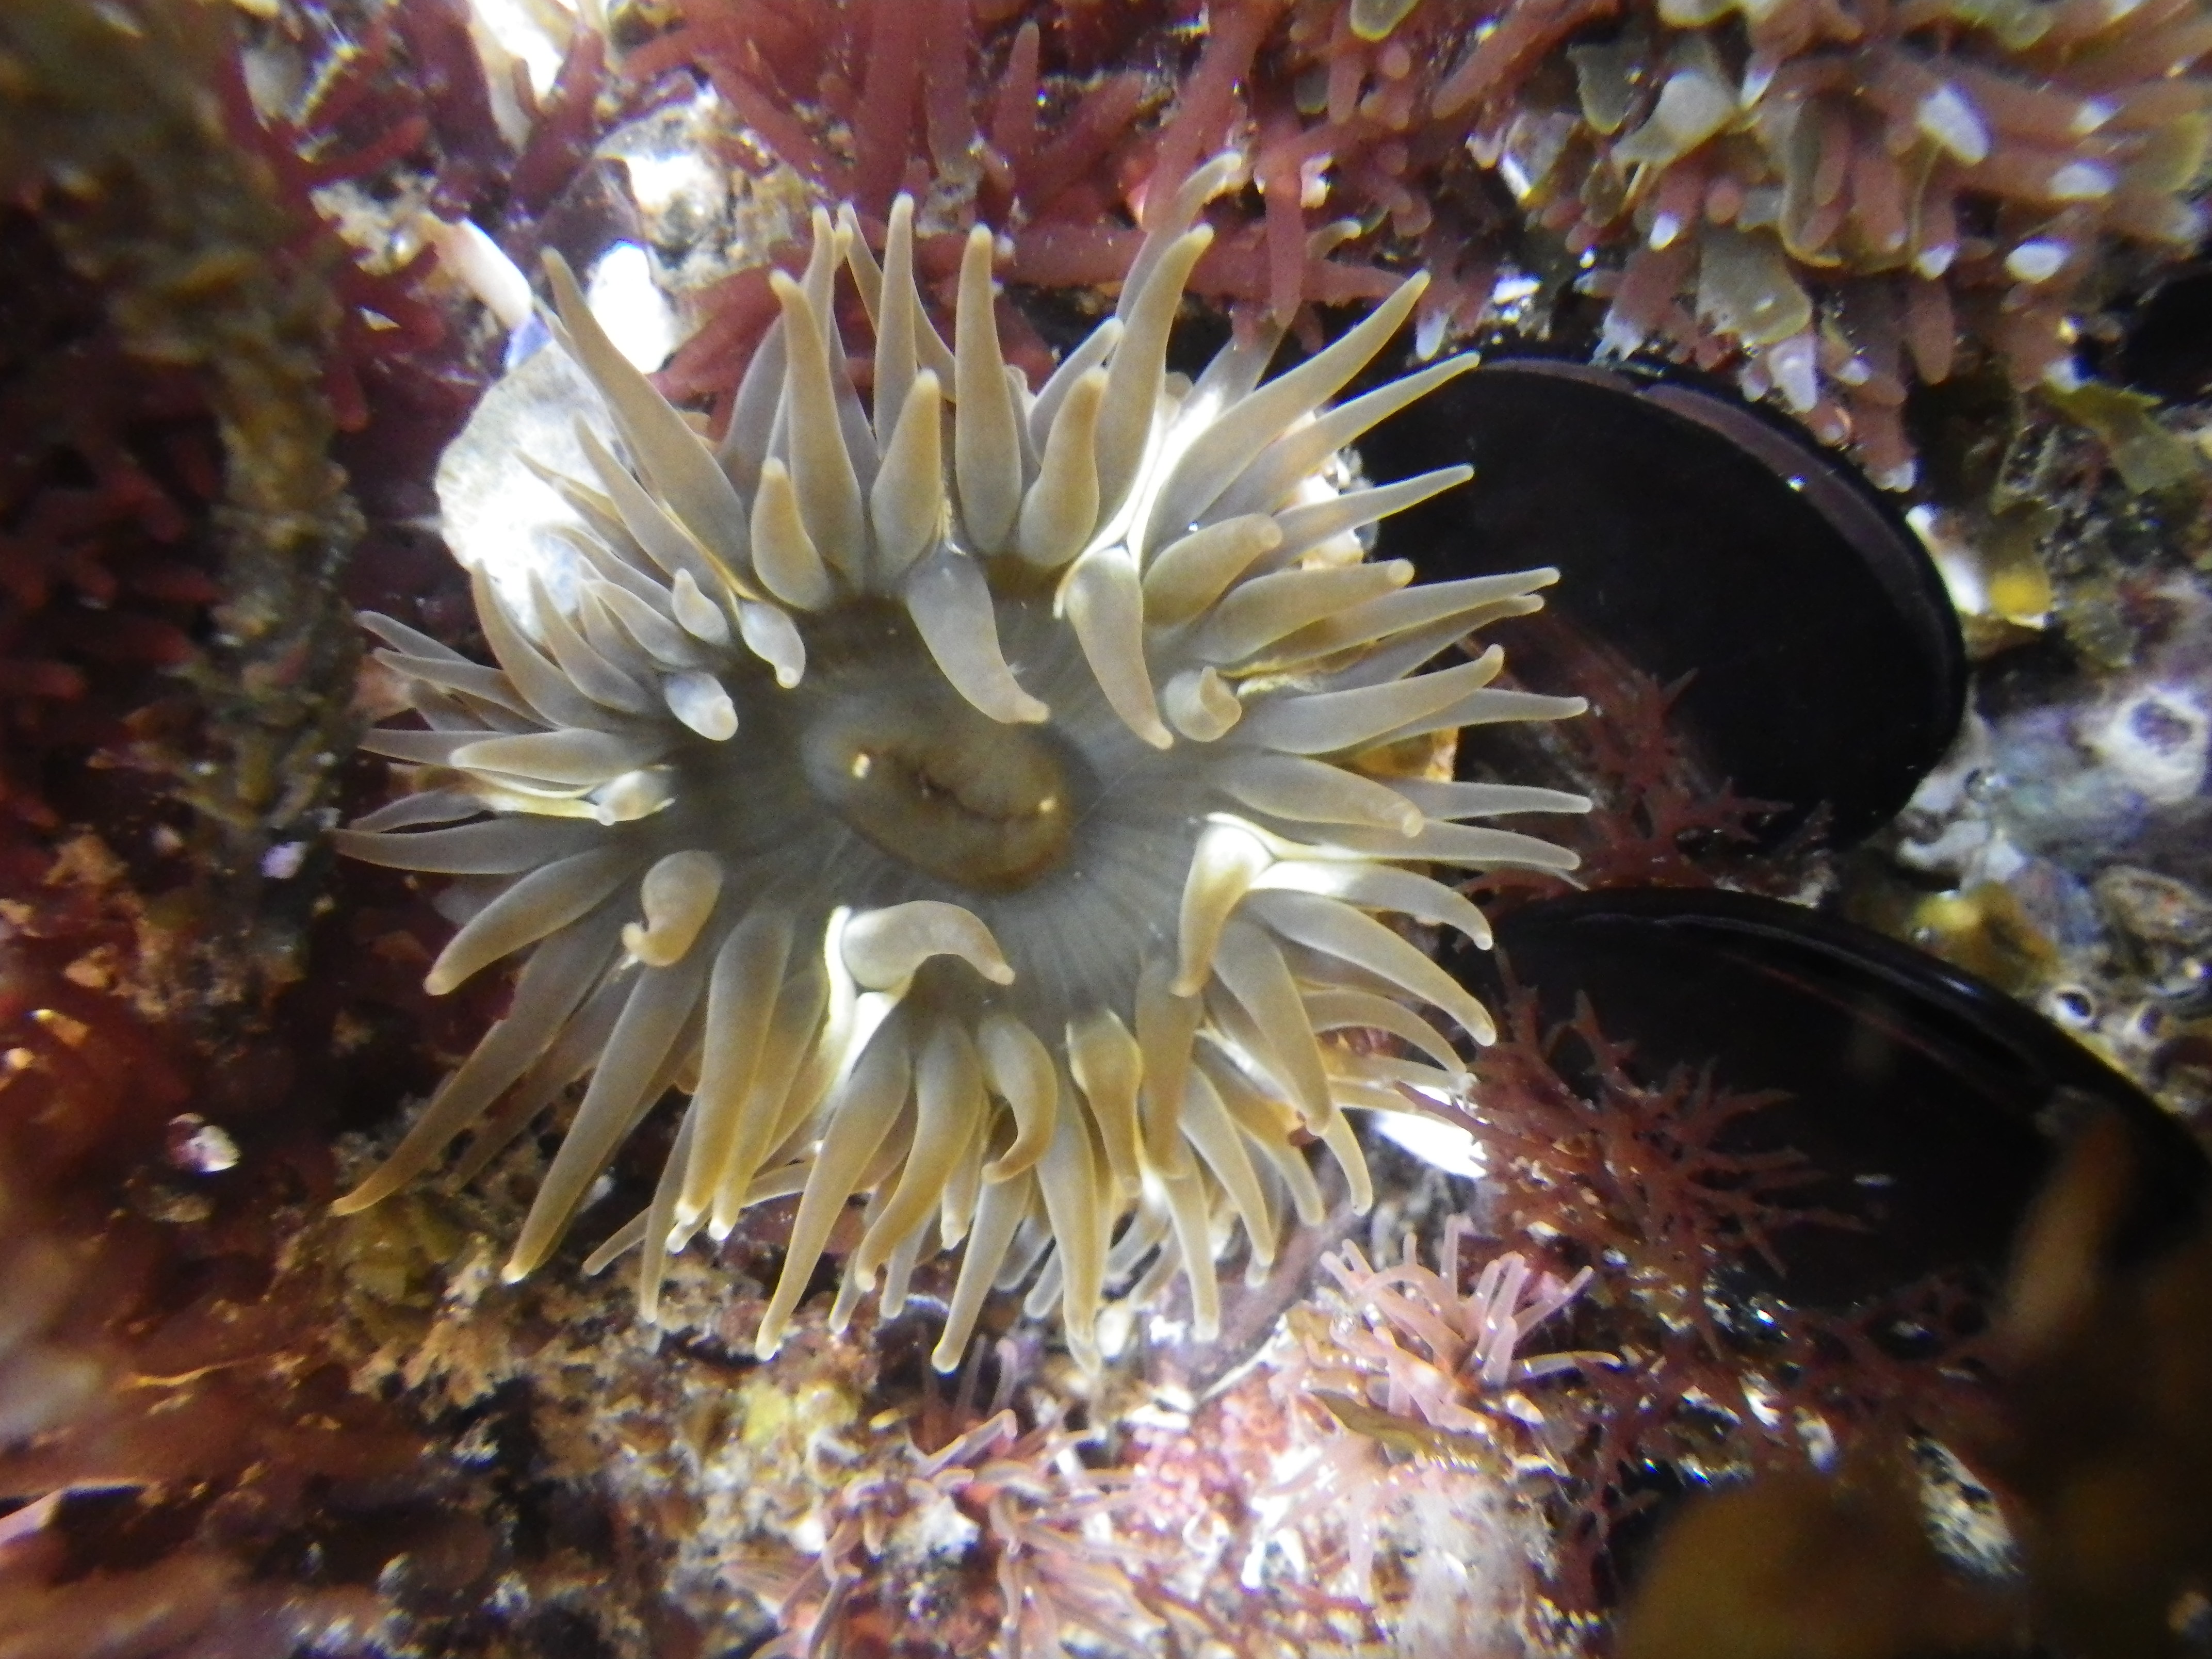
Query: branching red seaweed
(1659,817)
(1001,1535)
(1649,1182)
(1840,199)
(1416,1420)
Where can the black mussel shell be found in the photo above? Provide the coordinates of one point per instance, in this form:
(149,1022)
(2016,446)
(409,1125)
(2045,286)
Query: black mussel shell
(1932,1104)
(1694,535)
(2167,350)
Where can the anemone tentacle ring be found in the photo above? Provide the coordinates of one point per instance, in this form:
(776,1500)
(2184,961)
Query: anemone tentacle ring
(970,796)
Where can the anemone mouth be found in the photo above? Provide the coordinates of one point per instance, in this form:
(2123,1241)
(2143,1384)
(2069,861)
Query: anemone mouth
(927,778)
(970,800)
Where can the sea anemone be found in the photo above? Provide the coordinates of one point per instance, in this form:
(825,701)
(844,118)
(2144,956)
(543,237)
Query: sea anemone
(974,800)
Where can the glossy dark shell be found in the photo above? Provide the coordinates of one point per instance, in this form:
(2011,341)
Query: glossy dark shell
(1933,1103)
(2167,350)
(1692,534)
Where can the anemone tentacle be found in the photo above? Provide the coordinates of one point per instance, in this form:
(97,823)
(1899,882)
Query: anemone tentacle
(966,796)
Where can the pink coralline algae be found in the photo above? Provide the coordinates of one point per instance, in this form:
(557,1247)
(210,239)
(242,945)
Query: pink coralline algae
(1838,198)
(1424,1465)
(1054,130)
(1835,200)
(1471,1337)
(1032,1571)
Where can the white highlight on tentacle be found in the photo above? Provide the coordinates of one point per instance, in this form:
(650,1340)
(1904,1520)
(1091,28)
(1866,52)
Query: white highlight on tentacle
(1228,859)
(883,948)
(678,895)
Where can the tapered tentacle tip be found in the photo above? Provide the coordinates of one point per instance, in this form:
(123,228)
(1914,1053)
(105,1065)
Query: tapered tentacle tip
(366,1196)
(568,294)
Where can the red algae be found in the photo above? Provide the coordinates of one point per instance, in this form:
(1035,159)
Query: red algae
(1016,1511)
(1659,815)
(1836,206)
(998,121)
(2072,1411)
(185,1466)
(109,463)
(246,1430)
(1648,1182)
